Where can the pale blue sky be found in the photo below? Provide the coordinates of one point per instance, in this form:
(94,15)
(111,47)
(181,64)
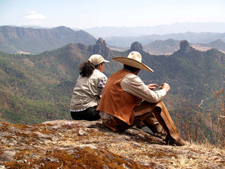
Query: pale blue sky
(96,13)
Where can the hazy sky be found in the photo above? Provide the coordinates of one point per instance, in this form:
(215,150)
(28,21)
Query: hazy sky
(96,13)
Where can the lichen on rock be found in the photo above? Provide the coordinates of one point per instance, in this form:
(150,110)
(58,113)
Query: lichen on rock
(84,144)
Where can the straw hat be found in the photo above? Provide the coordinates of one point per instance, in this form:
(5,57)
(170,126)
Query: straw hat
(134,59)
(96,59)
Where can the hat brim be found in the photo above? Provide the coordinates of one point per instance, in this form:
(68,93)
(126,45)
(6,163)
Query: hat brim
(106,61)
(133,63)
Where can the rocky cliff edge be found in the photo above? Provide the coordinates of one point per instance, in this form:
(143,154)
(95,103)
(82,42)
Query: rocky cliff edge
(83,144)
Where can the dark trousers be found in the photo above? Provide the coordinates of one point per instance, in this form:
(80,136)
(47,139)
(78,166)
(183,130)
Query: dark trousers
(89,114)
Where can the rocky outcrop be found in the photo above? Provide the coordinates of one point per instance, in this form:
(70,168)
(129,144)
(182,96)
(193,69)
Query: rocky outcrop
(136,46)
(83,144)
(101,48)
(185,47)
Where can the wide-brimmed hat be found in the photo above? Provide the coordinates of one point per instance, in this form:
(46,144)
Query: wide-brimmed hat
(96,59)
(134,59)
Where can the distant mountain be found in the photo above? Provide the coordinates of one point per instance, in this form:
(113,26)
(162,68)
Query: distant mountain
(193,38)
(35,40)
(160,47)
(36,88)
(218,44)
(30,40)
(198,27)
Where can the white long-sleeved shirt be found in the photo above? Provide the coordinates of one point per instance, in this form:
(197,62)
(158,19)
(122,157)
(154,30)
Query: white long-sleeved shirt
(87,91)
(133,84)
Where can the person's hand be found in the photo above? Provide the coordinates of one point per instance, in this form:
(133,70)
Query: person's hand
(165,86)
(152,86)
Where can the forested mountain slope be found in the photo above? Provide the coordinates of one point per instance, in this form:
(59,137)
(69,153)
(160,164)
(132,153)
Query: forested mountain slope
(36,88)
(30,40)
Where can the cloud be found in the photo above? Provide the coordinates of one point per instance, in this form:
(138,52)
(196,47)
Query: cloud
(34,18)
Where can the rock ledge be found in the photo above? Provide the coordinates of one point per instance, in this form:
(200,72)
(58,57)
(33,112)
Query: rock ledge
(83,144)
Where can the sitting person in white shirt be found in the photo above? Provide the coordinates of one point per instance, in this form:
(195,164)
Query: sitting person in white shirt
(88,89)
(120,107)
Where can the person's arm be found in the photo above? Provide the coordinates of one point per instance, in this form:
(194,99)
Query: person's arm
(164,86)
(134,85)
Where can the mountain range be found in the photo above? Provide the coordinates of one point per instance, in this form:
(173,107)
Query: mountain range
(195,27)
(36,88)
(30,40)
(36,40)
(193,38)
(165,47)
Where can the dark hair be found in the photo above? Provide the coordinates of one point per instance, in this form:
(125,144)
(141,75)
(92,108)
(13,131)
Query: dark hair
(130,68)
(86,69)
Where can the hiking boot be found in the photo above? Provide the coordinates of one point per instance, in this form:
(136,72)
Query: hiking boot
(179,142)
(112,123)
(140,125)
(157,129)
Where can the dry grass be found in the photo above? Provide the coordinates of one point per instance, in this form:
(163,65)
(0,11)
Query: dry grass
(203,127)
